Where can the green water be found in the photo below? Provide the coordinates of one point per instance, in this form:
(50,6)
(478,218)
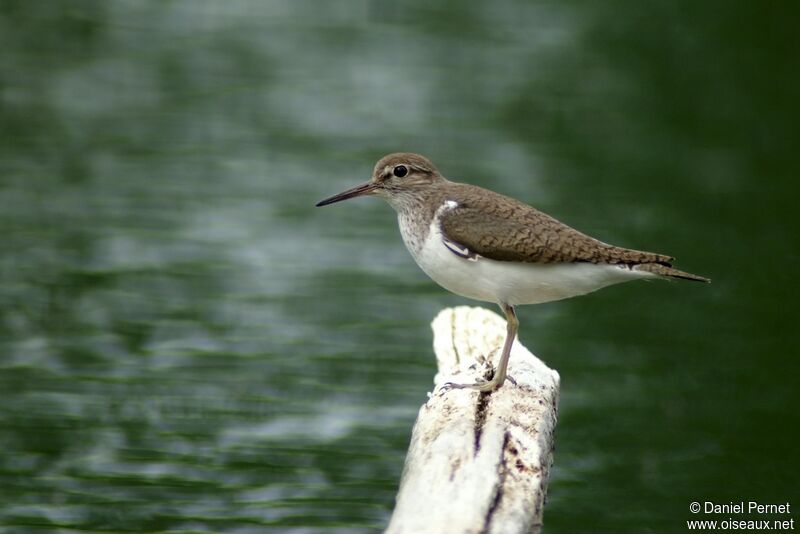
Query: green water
(188,345)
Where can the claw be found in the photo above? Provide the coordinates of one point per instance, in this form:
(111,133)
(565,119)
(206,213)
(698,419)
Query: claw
(483,386)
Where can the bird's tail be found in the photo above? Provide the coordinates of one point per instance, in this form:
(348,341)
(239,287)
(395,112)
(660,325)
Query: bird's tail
(665,270)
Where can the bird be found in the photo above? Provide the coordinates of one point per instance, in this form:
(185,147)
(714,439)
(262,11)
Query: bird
(489,247)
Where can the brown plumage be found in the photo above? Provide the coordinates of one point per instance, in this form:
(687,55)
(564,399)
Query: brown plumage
(499,227)
(502,228)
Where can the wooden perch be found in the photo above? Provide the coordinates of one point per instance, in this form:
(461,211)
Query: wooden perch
(479,462)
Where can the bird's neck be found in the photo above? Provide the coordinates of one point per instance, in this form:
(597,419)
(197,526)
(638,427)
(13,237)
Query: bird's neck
(415,212)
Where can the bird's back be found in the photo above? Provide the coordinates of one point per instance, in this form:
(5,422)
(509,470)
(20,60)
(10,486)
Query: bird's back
(504,229)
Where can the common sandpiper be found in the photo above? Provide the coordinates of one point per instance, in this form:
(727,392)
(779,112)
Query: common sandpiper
(489,247)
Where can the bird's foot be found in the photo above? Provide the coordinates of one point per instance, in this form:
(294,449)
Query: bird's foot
(484,386)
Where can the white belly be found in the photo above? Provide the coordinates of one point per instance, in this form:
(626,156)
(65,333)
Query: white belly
(511,282)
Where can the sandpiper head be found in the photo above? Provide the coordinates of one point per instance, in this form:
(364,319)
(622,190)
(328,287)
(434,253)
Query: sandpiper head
(393,177)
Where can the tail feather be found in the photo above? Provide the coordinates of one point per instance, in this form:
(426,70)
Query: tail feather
(665,270)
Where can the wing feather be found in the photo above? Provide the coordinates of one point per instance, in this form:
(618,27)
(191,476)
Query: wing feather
(501,228)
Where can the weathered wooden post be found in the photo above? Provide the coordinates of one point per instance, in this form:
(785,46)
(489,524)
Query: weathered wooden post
(479,462)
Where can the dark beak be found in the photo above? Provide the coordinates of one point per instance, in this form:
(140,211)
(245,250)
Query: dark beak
(357,191)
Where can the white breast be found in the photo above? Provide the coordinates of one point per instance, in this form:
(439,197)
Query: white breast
(507,282)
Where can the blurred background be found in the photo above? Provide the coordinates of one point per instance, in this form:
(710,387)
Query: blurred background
(188,345)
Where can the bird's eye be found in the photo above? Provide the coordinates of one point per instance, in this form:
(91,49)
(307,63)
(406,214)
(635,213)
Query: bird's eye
(400,171)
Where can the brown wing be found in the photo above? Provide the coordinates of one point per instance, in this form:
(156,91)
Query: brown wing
(501,228)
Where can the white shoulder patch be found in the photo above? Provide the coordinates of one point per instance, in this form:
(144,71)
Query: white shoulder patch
(456,248)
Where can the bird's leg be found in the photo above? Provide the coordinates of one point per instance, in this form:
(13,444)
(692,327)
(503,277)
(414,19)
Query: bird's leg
(501,372)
